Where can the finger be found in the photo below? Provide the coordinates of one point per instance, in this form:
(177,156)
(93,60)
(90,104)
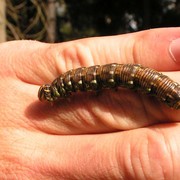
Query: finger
(148,153)
(109,111)
(39,63)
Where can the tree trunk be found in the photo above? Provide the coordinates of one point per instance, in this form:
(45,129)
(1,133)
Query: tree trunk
(51,21)
(2,21)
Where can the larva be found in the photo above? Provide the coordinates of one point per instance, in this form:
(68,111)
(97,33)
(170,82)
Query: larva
(95,78)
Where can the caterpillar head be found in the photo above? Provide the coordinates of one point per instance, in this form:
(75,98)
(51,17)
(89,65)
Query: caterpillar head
(45,93)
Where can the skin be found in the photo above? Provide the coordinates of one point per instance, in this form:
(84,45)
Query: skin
(113,135)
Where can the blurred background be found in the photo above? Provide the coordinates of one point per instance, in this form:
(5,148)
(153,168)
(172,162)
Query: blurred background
(63,20)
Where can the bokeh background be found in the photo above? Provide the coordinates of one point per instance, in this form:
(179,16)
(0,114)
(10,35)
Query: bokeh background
(63,20)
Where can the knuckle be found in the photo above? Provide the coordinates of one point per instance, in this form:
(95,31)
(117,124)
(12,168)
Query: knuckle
(147,157)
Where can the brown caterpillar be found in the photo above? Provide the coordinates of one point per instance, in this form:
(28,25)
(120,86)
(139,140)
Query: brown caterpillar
(95,78)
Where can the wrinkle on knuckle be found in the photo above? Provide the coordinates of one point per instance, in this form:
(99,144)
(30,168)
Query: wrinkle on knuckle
(126,50)
(137,50)
(53,62)
(146,156)
(132,158)
(144,45)
(77,54)
(159,156)
(172,148)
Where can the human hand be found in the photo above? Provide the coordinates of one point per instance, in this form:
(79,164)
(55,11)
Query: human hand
(85,139)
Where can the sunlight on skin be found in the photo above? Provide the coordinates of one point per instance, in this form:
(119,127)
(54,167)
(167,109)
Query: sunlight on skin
(112,135)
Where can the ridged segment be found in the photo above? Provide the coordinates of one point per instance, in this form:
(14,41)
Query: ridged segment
(107,75)
(92,78)
(77,79)
(148,80)
(95,78)
(67,80)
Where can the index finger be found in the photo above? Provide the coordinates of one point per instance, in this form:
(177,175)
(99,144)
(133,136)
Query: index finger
(41,63)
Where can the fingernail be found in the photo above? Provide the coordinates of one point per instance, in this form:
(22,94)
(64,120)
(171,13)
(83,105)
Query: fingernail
(174,50)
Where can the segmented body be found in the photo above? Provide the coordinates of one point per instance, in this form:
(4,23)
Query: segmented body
(95,78)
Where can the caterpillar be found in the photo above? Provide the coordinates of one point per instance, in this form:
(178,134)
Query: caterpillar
(95,78)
